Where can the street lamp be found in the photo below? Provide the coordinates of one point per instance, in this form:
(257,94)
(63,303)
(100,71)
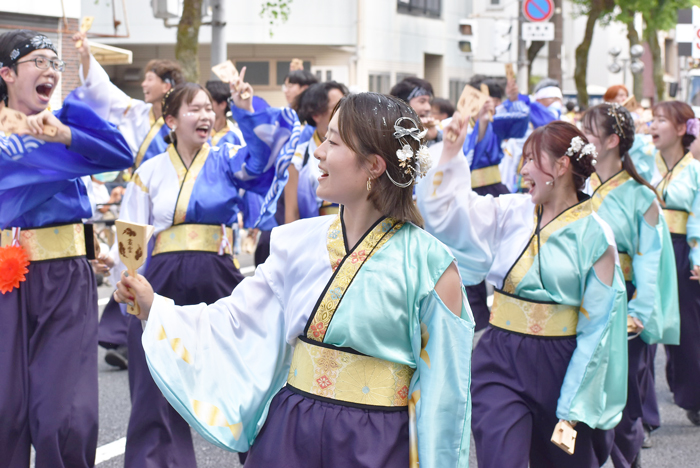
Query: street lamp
(635,64)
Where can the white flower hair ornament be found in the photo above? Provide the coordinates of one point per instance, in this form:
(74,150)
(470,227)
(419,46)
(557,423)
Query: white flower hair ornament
(578,146)
(413,163)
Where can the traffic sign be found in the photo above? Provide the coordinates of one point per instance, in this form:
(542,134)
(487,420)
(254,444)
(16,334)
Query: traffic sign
(538,10)
(538,32)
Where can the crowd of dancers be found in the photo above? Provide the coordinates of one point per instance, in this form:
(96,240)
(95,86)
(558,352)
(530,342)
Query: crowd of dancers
(380,222)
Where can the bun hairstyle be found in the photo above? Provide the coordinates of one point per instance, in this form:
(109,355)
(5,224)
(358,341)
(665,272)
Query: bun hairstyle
(606,119)
(175,98)
(679,113)
(8,42)
(366,125)
(555,139)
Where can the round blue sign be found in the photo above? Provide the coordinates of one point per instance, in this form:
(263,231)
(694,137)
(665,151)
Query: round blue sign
(538,10)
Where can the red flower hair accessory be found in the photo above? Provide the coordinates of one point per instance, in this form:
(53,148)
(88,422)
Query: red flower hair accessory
(13,267)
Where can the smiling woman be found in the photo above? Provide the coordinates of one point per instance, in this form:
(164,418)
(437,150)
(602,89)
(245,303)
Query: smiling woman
(49,323)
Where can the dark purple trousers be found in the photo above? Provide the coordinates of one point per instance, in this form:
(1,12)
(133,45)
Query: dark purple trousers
(650,406)
(113,329)
(303,432)
(477,294)
(683,361)
(157,436)
(516,382)
(48,367)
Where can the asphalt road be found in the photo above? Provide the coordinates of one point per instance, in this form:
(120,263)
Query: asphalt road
(676,443)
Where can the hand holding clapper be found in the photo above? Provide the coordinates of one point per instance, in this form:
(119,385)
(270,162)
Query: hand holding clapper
(133,244)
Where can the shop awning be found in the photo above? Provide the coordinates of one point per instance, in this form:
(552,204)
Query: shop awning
(109,55)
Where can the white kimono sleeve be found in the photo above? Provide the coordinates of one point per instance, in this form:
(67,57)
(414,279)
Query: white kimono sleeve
(220,365)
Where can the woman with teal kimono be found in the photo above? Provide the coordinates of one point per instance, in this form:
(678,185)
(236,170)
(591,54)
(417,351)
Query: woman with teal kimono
(669,166)
(350,346)
(556,345)
(629,205)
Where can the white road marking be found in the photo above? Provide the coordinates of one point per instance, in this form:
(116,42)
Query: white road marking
(103,301)
(111,450)
(248,269)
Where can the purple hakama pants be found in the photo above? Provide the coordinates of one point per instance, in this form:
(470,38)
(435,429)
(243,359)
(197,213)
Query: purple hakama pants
(305,432)
(157,436)
(48,367)
(516,382)
(113,329)
(683,361)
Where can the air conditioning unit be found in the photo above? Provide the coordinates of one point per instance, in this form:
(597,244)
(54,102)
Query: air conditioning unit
(167,9)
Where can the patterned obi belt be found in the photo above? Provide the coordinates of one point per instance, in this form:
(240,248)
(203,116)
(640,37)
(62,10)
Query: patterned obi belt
(676,220)
(347,378)
(626,265)
(195,238)
(49,243)
(486,176)
(529,317)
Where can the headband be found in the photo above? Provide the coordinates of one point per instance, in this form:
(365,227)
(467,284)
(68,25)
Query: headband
(418,91)
(26,47)
(549,92)
(615,111)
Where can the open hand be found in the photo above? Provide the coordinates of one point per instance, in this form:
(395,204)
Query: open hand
(138,289)
(695,273)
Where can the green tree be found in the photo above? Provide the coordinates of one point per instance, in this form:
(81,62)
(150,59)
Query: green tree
(595,10)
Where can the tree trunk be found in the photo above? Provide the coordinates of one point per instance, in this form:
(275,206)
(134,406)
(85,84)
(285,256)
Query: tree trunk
(582,53)
(652,38)
(187,44)
(638,79)
(532,52)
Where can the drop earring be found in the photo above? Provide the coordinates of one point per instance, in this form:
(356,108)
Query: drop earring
(549,182)
(369,184)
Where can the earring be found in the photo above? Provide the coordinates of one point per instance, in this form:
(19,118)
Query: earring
(549,182)
(369,184)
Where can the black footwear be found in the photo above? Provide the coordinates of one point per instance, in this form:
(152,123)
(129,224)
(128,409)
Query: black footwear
(118,357)
(647,443)
(637,463)
(693,416)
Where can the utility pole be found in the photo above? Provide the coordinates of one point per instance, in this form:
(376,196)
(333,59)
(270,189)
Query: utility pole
(218,33)
(523,85)
(554,63)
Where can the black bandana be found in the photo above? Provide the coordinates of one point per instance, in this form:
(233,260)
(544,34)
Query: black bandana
(26,47)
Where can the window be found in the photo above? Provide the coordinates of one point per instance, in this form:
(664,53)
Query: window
(456,87)
(283,69)
(429,8)
(257,73)
(402,76)
(379,83)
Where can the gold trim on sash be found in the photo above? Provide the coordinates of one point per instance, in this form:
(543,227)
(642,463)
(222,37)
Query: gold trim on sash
(190,177)
(626,265)
(603,190)
(192,237)
(217,136)
(155,128)
(349,265)
(595,181)
(533,318)
(486,176)
(667,174)
(348,377)
(50,243)
(677,221)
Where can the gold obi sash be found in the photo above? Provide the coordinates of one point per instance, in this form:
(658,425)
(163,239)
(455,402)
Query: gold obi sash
(349,378)
(520,315)
(486,176)
(192,237)
(49,243)
(626,265)
(676,220)
(328,208)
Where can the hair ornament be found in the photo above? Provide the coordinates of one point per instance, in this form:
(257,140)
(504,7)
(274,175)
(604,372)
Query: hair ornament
(614,110)
(165,100)
(578,146)
(692,127)
(416,163)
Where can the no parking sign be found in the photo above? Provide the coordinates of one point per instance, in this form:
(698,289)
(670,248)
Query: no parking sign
(538,10)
